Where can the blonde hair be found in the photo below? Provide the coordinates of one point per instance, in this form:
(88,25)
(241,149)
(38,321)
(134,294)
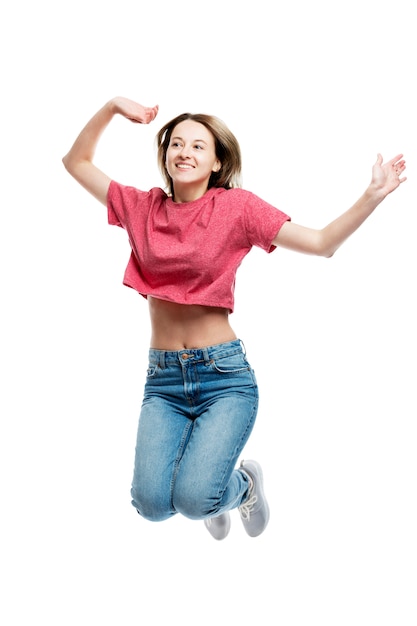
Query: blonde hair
(226,146)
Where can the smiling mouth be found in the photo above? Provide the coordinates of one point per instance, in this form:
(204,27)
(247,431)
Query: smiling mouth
(183,166)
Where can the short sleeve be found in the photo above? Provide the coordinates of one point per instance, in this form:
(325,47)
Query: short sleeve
(120,201)
(263,222)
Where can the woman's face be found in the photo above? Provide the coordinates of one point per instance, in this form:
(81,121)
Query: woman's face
(191,156)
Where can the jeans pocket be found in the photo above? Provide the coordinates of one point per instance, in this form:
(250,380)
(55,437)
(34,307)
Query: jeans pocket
(151,371)
(230,364)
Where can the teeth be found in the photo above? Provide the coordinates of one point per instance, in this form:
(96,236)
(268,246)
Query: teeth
(184,167)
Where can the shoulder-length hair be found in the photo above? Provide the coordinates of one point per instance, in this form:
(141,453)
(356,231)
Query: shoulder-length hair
(226,146)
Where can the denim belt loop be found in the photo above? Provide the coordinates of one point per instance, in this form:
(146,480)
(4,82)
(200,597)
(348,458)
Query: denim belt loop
(162,359)
(243,347)
(206,355)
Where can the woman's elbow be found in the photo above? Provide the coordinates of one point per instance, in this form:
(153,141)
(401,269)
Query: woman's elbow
(324,247)
(328,253)
(67,162)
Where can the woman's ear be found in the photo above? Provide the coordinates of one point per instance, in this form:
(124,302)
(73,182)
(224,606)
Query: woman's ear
(217,166)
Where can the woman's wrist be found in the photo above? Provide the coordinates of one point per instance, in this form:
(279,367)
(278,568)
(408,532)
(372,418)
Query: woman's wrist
(113,106)
(375,194)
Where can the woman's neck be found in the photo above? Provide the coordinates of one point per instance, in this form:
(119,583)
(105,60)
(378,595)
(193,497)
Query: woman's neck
(188,193)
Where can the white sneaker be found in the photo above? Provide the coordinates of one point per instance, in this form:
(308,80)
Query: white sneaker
(255,510)
(219,526)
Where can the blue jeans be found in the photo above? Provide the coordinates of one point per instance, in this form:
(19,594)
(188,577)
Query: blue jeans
(198,410)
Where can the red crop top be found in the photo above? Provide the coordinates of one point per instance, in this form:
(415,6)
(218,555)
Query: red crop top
(189,252)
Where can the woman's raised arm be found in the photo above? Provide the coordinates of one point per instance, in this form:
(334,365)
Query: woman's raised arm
(79,160)
(385,178)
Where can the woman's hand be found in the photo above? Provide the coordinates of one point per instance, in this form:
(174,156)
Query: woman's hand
(134,111)
(386,176)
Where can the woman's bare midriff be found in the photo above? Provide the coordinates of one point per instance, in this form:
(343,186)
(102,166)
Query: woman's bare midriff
(183,326)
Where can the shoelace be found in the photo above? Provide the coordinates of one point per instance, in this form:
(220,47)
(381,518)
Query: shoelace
(246,508)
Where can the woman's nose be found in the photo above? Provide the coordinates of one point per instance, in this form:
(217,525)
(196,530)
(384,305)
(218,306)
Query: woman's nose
(185,152)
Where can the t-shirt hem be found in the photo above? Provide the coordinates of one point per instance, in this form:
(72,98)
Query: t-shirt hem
(167,298)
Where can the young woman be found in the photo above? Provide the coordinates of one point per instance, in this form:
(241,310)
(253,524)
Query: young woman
(200,398)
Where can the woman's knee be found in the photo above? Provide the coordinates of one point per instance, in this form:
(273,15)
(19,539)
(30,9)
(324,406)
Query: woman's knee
(150,506)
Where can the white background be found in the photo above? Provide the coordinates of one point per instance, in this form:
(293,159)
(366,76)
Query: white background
(312,90)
